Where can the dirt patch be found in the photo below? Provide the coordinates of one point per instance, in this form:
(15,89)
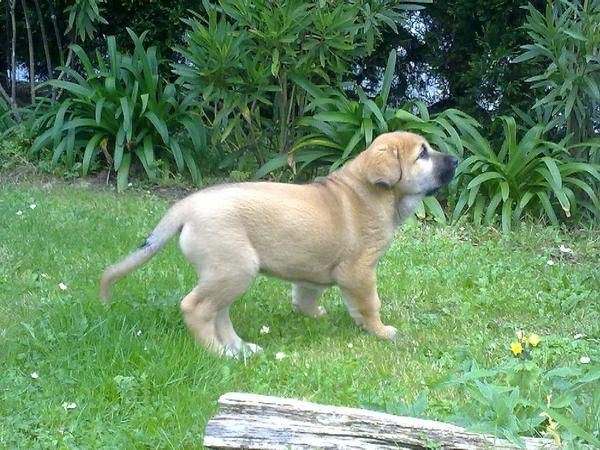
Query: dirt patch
(101,181)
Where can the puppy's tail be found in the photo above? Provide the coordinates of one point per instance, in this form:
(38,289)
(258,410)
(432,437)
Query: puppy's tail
(168,227)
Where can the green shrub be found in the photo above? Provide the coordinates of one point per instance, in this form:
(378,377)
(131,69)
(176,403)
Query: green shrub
(527,175)
(124,109)
(6,117)
(14,146)
(565,40)
(248,63)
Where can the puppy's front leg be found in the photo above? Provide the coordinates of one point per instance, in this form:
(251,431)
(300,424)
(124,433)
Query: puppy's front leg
(362,301)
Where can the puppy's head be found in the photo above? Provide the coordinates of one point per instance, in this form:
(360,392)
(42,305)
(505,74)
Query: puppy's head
(406,163)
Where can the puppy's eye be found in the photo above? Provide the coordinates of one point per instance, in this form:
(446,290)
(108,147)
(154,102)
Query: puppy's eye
(423,154)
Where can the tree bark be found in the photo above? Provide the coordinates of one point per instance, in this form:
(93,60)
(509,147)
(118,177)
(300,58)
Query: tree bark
(58,40)
(13,55)
(252,421)
(38,11)
(31,55)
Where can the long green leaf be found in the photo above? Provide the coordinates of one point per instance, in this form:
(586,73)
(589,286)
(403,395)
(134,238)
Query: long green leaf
(554,171)
(492,206)
(340,117)
(506,216)
(98,110)
(85,93)
(123,173)
(278,162)
(148,149)
(406,116)
(160,126)
(118,155)
(460,205)
(126,115)
(370,104)
(316,142)
(573,427)
(483,178)
(192,167)
(177,154)
(90,150)
(545,201)
(388,76)
(436,210)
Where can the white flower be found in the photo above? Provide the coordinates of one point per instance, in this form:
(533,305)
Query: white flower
(550,262)
(33,206)
(264,329)
(129,184)
(564,249)
(585,360)
(19,213)
(139,333)
(280,355)
(35,375)
(62,286)
(350,345)
(69,405)
(579,336)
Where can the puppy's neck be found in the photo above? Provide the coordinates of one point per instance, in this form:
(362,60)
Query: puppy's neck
(405,206)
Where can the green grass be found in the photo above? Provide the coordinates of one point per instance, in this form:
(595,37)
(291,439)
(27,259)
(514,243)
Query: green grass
(138,379)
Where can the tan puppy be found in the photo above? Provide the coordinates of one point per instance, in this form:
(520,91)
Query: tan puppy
(326,233)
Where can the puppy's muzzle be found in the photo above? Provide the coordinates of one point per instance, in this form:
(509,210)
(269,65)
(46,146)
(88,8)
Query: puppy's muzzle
(447,169)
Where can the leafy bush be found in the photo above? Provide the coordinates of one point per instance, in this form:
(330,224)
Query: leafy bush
(565,40)
(248,63)
(522,397)
(124,109)
(530,174)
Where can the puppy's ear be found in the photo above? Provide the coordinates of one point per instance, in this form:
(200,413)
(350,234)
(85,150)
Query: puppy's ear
(383,166)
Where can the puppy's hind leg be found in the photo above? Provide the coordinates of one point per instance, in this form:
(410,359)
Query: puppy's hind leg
(206,308)
(305,299)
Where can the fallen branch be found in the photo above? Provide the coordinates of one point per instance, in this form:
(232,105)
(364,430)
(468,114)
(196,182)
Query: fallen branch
(252,421)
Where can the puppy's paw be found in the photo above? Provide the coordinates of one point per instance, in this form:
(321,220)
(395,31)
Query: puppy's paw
(388,332)
(249,348)
(320,312)
(315,313)
(246,350)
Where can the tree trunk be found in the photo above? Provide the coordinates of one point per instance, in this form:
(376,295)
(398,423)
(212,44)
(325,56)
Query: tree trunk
(283,102)
(57,35)
(44,37)
(13,55)
(252,421)
(31,55)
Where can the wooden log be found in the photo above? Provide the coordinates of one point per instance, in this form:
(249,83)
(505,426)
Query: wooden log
(251,421)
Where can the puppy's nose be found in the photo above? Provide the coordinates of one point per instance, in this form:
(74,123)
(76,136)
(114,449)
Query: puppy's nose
(453,161)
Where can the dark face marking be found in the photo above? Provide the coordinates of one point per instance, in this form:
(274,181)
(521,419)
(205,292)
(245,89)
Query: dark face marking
(445,168)
(423,154)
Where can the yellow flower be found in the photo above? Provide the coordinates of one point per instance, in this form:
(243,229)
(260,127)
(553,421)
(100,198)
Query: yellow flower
(516,348)
(534,340)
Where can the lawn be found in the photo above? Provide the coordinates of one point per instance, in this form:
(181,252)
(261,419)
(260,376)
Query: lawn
(76,374)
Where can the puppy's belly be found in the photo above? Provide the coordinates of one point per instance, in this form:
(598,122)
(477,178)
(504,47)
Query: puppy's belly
(297,261)
(300,274)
